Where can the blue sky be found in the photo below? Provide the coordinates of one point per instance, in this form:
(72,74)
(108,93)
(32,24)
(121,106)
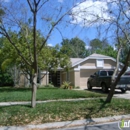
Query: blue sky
(79,23)
(84,30)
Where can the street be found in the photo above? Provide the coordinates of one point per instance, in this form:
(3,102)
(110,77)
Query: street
(104,126)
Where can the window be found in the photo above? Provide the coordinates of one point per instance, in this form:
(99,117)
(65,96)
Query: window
(100,63)
(110,73)
(103,73)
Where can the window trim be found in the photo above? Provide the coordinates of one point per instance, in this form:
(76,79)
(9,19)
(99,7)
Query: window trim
(99,63)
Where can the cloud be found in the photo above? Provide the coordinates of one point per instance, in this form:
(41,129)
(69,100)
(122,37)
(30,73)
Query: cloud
(50,45)
(91,13)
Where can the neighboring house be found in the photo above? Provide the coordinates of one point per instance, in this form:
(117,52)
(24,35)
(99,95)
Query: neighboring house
(80,70)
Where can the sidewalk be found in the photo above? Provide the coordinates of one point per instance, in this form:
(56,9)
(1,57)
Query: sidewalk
(67,124)
(46,101)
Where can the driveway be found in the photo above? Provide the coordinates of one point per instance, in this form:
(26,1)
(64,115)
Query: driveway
(118,94)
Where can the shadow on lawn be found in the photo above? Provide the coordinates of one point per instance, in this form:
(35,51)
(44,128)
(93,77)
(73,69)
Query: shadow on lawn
(92,111)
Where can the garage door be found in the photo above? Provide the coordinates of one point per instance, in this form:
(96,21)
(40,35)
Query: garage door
(84,75)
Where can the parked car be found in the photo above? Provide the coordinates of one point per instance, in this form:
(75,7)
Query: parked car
(102,78)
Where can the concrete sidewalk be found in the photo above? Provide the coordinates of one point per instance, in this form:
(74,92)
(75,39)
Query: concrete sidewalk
(67,124)
(46,101)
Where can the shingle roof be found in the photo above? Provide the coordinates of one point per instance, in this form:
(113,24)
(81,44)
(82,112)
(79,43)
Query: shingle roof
(75,60)
(93,56)
(98,55)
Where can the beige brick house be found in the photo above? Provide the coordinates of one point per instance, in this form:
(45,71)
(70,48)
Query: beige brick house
(80,70)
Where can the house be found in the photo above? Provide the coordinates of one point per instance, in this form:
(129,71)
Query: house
(80,70)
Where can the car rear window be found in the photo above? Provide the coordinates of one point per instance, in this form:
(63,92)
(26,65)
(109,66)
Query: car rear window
(103,73)
(110,73)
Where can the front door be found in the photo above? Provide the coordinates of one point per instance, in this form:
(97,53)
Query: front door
(54,78)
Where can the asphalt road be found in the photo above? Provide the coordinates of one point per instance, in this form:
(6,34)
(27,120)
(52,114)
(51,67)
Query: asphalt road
(105,126)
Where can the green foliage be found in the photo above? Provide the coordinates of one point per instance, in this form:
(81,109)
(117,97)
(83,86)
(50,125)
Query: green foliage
(50,85)
(66,85)
(108,51)
(5,78)
(49,58)
(74,48)
(97,45)
(77,87)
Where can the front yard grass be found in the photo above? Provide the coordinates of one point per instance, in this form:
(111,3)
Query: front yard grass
(62,111)
(8,94)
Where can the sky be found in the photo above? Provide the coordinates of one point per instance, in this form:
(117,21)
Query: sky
(83,21)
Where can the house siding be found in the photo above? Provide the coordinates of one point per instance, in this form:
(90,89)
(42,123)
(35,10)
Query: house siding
(77,78)
(45,79)
(71,77)
(64,77)
(109,63)
(90,62)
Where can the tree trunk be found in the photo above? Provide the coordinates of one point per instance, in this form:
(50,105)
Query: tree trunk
(114,83)
(35,63)
(34,90)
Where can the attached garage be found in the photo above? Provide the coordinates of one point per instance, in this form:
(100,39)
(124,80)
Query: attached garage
(83,68)
(84,75)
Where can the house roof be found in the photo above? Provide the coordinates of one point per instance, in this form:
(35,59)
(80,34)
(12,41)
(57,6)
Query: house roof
(75,60)
(93,56)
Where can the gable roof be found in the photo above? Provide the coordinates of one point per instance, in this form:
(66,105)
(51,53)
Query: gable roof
(75,60)
(93,56)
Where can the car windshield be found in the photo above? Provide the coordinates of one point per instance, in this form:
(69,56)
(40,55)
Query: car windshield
(110,73)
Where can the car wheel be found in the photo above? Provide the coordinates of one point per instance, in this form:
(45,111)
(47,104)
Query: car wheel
(104,88)
(89,86)
(123,90)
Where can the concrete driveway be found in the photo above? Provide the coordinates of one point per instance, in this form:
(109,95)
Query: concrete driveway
(119,94)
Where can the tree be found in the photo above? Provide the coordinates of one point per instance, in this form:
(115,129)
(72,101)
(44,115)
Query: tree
(97,45)
(109,51)
(74,47)
(14,18)
(109,17)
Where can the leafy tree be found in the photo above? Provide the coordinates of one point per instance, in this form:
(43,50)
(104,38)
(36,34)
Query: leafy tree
(34,13)
(97,45)
(109,51)
(74,48)
(50,58)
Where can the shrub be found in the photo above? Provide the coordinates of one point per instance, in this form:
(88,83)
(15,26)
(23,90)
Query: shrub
(66,85)
(77,87)
(50,85)
(39,86)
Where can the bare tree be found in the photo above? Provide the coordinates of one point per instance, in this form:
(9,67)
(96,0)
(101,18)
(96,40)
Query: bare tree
(108,16)
(31,13)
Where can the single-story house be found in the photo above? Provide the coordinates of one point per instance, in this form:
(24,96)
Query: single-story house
(80,70)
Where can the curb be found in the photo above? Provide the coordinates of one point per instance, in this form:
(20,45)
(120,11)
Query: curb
(67,124)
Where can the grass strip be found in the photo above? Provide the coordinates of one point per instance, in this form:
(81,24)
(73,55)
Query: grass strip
(62,111)
(24,94)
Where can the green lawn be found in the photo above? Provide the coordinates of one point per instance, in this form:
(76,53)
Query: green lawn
(24,94)
(61,111)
